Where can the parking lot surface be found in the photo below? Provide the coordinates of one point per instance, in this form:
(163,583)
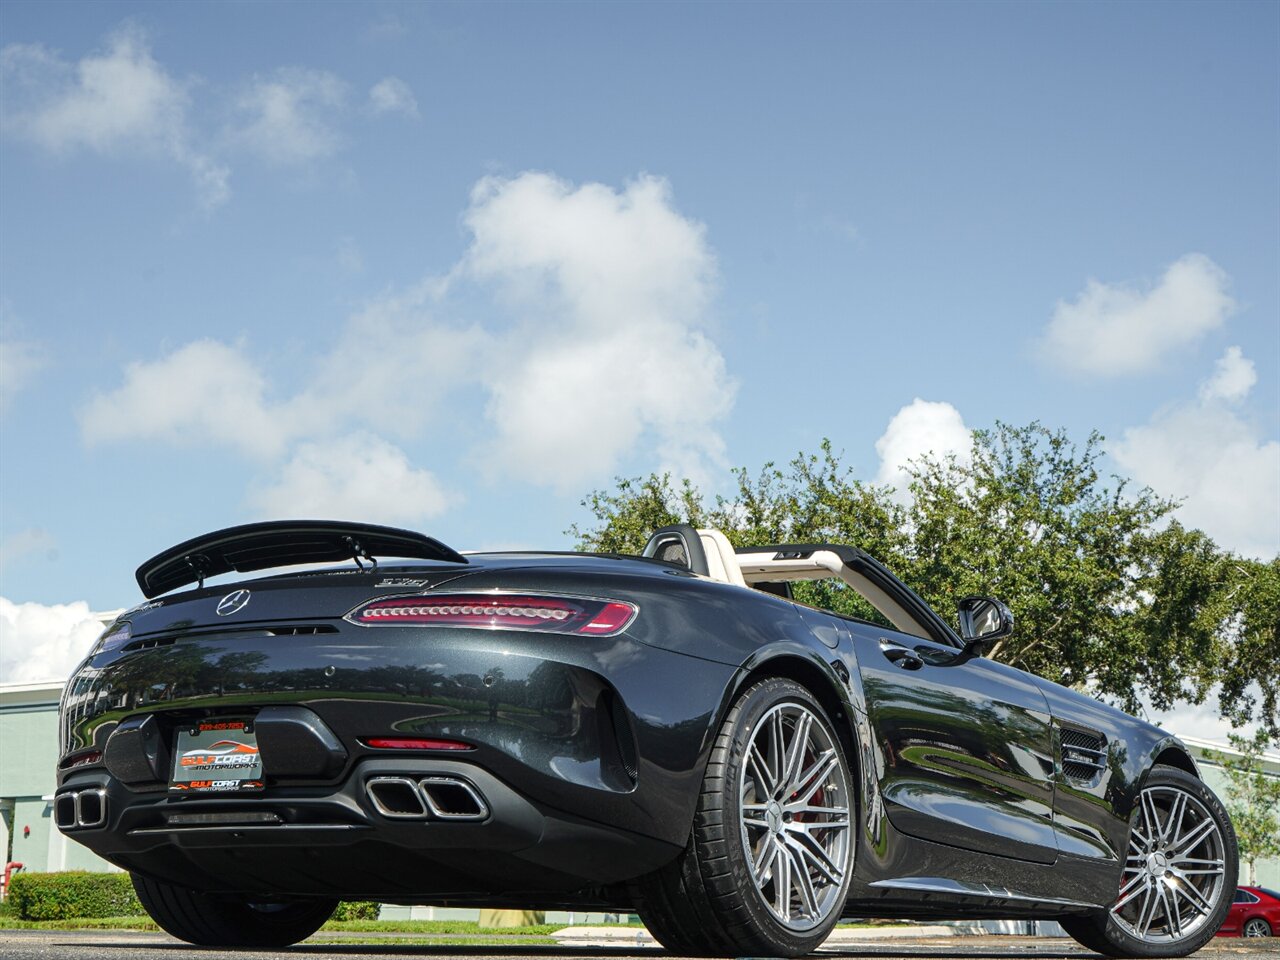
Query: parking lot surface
(110,945)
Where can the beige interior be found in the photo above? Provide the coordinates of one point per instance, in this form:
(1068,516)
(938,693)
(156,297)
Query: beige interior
(745,569)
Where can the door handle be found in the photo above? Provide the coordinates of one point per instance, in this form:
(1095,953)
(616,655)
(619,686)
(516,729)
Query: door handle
(900,656)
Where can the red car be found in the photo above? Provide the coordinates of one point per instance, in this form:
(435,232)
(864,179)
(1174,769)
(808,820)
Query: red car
(1255,912)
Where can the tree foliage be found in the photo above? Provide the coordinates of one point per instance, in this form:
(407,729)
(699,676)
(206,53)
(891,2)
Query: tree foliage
(1112,594)
(1253,800)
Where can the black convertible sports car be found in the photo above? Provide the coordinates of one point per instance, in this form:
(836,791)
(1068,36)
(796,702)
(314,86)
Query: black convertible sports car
(670,733)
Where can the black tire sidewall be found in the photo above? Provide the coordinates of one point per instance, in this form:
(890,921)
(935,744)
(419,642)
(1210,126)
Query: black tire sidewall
(749,711)
(220,921)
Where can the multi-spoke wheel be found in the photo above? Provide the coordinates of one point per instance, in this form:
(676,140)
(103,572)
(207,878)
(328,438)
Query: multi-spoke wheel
(795,815)
(1174,890)
(768,864)
(1174,873)
(1257,927)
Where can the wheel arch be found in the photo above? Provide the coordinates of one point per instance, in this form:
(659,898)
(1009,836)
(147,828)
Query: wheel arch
(1172,753)
(815,675)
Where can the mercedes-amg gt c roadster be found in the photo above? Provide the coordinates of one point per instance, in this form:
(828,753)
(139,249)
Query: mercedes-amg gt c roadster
(669,733)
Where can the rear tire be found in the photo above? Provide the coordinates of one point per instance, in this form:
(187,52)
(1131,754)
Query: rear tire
(770,856)
(208,921)
(1174,893)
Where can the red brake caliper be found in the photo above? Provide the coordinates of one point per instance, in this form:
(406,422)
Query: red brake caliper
(814,801)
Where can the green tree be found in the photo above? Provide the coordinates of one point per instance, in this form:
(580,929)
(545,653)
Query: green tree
(1029,518)
(1113,596)
(639,506)
(1253,799)
(1250,615)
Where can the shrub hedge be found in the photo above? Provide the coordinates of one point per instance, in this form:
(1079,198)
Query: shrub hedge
(77,894)
(357,910)
(73,894)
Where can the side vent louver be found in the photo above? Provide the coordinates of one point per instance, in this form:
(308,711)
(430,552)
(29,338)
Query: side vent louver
(1083,755)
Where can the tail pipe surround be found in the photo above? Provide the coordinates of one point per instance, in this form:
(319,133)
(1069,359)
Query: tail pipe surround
(426,798)
(80,809)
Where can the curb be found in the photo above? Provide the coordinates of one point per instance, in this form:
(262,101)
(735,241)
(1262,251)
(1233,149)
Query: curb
(640,937)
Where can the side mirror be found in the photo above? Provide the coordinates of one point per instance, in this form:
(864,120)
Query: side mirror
(982,620)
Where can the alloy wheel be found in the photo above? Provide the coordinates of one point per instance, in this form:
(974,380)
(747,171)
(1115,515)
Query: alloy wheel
(795,813)
(1175,870)
(1257,928)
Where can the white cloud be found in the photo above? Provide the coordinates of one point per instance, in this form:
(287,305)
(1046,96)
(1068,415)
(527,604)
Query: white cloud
(390,368)
(359,476)
(289,118)
(1209,454)
(392,95)
(391,357)
(388,26)
(349,257)
(203,392)
(1114,329)
(1233,377)
(922,428)
(19,361)
(1203,720)
(26,543)
(610,290)
(39,642)
(116,102)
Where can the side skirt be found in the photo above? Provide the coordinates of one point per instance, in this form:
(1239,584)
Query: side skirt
(900,875)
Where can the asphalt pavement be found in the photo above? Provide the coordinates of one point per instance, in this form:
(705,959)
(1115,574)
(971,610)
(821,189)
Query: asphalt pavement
(112,945)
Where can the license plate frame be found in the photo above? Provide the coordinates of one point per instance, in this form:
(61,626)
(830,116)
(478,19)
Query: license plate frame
(216,757)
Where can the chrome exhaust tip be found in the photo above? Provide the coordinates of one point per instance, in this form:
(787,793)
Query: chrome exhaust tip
(452,798)
(80,809)
(396,798)
(64,811)
(91,808)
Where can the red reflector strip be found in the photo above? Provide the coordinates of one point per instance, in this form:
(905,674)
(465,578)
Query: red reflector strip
(611,619)
(412,743)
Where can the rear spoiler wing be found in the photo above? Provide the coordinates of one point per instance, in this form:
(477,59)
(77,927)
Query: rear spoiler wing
(278,543)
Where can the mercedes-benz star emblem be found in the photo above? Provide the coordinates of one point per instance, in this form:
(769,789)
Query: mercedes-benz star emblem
(232,603)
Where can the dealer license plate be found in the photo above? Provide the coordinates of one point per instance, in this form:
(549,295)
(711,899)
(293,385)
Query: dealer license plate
(216,756)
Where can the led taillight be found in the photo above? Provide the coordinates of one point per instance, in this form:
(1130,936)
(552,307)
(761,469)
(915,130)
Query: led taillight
(415,743)
(83,758)
(577,615)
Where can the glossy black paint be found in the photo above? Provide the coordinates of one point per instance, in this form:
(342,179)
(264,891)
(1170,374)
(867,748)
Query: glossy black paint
(590,750)
(278,543)
(967,742)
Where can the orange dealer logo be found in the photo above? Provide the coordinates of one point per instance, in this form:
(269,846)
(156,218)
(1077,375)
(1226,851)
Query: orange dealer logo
(224,752)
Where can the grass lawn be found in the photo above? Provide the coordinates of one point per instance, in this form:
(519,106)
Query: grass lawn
(446,932)
(469,931)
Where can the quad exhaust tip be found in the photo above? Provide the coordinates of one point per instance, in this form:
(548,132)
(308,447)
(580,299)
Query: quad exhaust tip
(80,809)
(396,798)
(450,798)
(426,798)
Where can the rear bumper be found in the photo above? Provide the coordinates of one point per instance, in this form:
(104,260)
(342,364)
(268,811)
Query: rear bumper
(335,842)
(587,751)
(607,730)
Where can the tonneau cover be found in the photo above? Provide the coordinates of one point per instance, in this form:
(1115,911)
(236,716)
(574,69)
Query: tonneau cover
(278,543)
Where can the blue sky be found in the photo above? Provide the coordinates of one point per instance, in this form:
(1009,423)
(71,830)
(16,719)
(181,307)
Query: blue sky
(454,266)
